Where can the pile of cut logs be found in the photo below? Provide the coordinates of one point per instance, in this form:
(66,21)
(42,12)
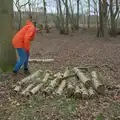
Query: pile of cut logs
(80,83)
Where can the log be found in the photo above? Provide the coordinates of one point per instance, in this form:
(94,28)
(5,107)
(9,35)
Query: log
(97,85)
(85,95)
(92,93)
(70,89)
(40,60)
(63,83)
(36,89)
(26,80)
(101,78)
(31,77)
(52,85)
(39,86)
(78,92)
(85,80)
(25,92)
(17,88)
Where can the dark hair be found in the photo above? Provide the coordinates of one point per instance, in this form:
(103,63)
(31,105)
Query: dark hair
(34,22)
(30,17)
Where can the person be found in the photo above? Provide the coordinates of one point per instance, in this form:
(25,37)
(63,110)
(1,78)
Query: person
(21,42)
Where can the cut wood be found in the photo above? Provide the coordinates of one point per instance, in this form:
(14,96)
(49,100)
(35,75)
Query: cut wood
(97,85)
(63,83)
(70,87)
(85,80)
(31,77)
(36,89)
(53,84)
(78,93)
(27,79)
(85,95)
(40,60)
(17,88)
(39,86)
(92,93)
(101,78)
(25,92)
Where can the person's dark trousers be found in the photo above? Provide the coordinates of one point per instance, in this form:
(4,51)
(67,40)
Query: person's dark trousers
(23,60)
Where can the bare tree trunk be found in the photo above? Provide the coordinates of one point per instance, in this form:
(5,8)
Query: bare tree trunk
(45,13)
(77,26)
(62,30)
(67,14)
(7,53)
(88,13)
(83,16)
(100,32)
(105,18)
(113,16)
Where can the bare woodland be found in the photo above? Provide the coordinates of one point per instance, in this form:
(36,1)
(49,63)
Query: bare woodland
(74,60)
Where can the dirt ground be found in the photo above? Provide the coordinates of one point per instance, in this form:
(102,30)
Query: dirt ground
(72,50)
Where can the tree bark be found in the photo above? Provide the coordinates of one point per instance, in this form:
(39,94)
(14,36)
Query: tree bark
(97,85)
(78,16)
(39,86)
(67,15)
(86,81)
(100,32)
(7,53)
(62,30)
(113,17)
(45,14)
(63,83)
(88,13)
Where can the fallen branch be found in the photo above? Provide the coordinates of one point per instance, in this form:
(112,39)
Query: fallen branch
(40,60)
(86,81)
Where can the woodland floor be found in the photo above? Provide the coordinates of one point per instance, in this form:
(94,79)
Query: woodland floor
(79,49)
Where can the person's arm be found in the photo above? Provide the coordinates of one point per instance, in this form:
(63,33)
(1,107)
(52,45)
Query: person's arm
(29,35)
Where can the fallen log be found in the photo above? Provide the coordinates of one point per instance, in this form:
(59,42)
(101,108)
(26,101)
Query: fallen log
(70,87)
(52,85)
(17,88)
(39,86)
(85,95)
(97,85)
(26,80)
(78,92)
(85,80)
(25,92)
(40,60)
(92,93)
(63,83)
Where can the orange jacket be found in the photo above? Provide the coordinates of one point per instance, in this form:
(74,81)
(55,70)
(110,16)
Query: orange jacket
(24,36)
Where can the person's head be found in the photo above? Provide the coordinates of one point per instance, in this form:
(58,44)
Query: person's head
(31,19)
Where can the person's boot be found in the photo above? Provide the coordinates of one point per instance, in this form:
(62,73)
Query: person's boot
(14,74)
(26,72)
